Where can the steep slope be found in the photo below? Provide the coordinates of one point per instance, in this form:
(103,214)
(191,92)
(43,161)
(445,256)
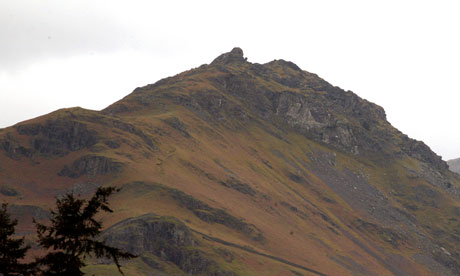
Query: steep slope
(248,169)
(454,165)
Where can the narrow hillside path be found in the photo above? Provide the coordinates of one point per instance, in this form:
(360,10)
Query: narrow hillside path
(250,250)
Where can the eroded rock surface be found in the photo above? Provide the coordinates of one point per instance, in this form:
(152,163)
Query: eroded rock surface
(91,165)
(58,137)
(165,237)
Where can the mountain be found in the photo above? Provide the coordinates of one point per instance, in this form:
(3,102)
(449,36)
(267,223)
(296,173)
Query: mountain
(454,165)
(239,168)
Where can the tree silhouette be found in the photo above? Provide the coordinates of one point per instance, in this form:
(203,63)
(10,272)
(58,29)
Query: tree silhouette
(11,250)
(72,235)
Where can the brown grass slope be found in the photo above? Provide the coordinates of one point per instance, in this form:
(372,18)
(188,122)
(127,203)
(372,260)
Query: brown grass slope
(245,169)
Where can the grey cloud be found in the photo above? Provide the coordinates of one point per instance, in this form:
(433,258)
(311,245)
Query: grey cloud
(35,31)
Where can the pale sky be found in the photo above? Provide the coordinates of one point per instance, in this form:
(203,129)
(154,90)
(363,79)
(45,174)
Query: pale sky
(401,55)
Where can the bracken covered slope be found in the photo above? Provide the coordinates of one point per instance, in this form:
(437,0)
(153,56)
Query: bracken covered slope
(236,168)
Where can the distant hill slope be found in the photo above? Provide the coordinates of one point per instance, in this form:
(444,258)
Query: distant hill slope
(239,168)
(454,165)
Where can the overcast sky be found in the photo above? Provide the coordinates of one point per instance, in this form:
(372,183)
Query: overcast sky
(402,55)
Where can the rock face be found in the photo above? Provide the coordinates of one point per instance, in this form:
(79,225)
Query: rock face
(142,234)
(454,165)
(234,56)
(165,237)
(54,138)
(91,165)
(58,137)
(14,150)
(8,191)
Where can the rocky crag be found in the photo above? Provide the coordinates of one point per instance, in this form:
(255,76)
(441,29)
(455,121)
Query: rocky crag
(251,169)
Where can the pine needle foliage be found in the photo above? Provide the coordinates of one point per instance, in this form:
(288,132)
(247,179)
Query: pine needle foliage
(72,235)
(11,249)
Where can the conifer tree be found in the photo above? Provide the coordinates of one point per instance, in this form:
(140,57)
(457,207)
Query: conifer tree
(11,249)
(72,235)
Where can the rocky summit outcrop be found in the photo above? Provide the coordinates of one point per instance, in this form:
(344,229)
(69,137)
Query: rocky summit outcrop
(253,169)
(235,92)
(234,56)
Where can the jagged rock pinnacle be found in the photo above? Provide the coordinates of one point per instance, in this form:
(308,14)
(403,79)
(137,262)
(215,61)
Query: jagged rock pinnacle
(236,55)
